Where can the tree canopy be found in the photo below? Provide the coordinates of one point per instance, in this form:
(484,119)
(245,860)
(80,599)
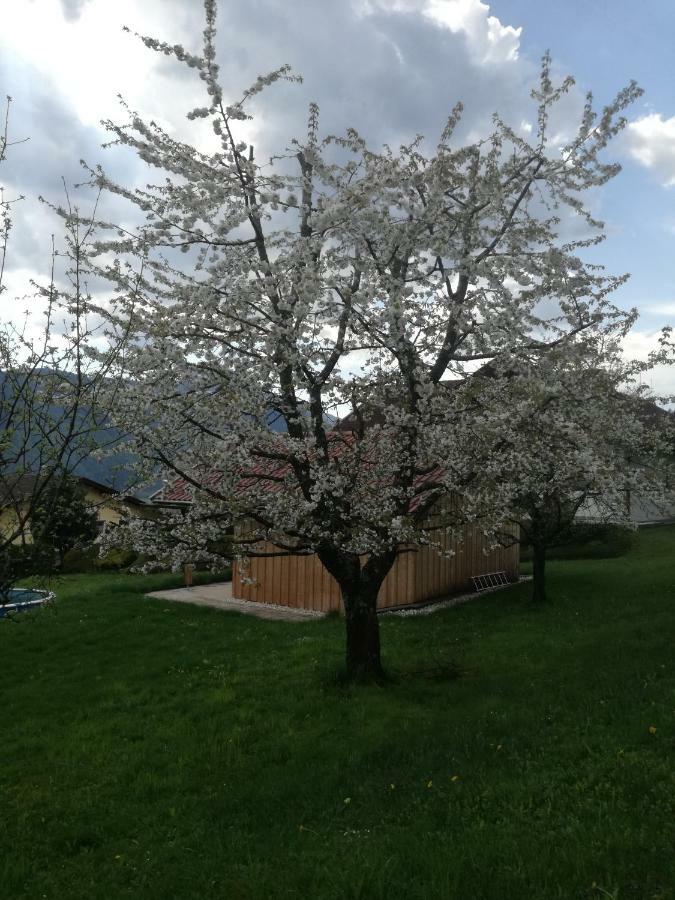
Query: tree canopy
(334,276)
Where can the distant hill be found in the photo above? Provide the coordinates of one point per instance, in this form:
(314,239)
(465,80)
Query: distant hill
(114,468)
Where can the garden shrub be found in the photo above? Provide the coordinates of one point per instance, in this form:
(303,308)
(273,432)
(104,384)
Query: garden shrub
(116,559)
(589,540)
(23,561)
(79,560)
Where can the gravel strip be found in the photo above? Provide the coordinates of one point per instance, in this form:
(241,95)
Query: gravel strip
(432,607)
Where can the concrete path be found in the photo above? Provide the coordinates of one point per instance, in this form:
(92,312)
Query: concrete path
(219,596)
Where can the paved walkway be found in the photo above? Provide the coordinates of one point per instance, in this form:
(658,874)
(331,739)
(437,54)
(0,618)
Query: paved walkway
(219,596)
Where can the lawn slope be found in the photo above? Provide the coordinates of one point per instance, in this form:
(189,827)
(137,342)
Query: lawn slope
(153,750)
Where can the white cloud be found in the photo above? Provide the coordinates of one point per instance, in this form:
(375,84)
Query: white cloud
(491,42)
(661,308)
(651,141)
(440,50)
(80,50)
(73,8)
(404,64)
(638,345)
(488,39)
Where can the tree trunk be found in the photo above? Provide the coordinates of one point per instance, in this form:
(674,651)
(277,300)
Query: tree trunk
(359,586)
(363,632)
(539,573)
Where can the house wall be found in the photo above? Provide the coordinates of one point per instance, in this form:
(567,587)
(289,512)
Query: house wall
(9,524)
(419,575)
(436,574)
(108,509)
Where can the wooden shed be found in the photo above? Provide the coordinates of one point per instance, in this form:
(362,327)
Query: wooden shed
(418,575)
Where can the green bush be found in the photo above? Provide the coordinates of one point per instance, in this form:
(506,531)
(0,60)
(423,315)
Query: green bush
(586,540)
(23,561)
(79,560)
(114,560)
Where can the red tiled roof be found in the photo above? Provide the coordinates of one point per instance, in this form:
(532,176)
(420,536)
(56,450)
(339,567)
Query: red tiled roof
(180,490)
(270,475)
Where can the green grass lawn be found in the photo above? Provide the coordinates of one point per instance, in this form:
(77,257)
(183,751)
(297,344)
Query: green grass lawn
(154,750)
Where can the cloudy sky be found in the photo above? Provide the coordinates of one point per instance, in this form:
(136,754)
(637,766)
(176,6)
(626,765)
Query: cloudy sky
(392,68)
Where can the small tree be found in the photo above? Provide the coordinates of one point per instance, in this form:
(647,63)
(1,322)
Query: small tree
(339,274)
(582,435)
(63,519)
(51,415)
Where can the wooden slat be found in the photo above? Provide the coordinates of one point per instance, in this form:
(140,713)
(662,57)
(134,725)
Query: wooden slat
(302,581)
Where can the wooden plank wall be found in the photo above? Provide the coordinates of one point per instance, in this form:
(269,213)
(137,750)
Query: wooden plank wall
(419,575)
(300,582)
(438,574)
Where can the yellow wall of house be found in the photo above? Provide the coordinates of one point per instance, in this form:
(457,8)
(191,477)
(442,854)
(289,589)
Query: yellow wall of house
(9,524)
(109,510)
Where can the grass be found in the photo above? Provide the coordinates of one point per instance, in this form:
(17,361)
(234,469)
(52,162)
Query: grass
(154,750)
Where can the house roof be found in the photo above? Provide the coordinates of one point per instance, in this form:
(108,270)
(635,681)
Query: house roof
(271,476)
(21,487)
(180,491)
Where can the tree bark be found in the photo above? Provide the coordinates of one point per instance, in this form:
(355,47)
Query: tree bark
(539,573)
(362,659)
(360,586)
